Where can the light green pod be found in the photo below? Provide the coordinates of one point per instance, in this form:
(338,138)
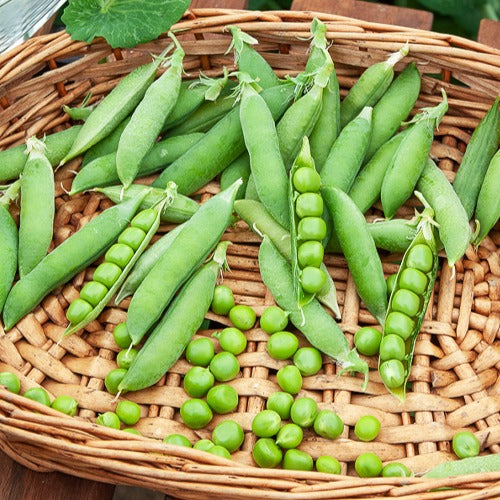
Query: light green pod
(238,169)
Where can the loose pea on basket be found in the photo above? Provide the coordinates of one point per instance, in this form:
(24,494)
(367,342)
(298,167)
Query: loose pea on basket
(213,271)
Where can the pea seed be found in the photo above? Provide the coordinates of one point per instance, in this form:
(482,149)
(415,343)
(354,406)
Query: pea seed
(368,465)
(224,366)
(367,428)
(312,279)
(392,347)
(106,273)
(125,358)
(38,394)
(308,360)
(233,340)
(406,302)
(130,430)
(274,319)
(396,469)
(196,413)
(198,381)
(119,254)
(326,463)
(328,424)
(289,436)
(121,336)
(113,379)
(304,411)
(297,460)
(420,257)
(223,300)
(282,345)
(266,423)
(306,180)
(222,398)
(267,453)
(77,310)
(128,412)
(219,451)
(391,281)
(398,323)
(228,434)
(65,404)
(289,379)
(203,445)
(414,280)
(10,381)
(309,205)
(281,403)
(310,253)
(93,292)
(132,236)
(200,351)
(177,439)
(108,419)
(144,219)
(311,228)
(367,340)
(392,373)
(242,317)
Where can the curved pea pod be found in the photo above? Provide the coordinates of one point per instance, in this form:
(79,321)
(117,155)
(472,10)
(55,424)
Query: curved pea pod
(238,169)
(57,145)
(182,319)
(471,465)
(36,220)
(179,209)
(370,86)
(319,328)
(410,158)
(480,150)
(359,250)
(66,260)
(347,153)
(261,140)
(79,113)
(394,107)
(249,60)
(221,145)
(408,304)
(261,222)
(454,229)
(198,237)
(488,201)
(96,309)
(102,171)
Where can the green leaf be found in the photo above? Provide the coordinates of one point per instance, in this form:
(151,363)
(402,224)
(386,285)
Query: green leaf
(123,23)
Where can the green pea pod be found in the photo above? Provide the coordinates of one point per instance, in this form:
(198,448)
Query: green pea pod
(471,465)
(57,145)
(179,209)
(221,145)
(480,150)
(370,86)
(261,140)
(148,117)
(36,220)
(102,171)
(359,250)
(454,228)
(394,107)
(182,319)
(251,189)
(249,60)
(348,151)
(96,309)
(145,263)
(8,243)
(319,328)
(79,113)
(488,201)
(410,158)
(261,222)
(238,169)
(66,260)
(365,189)
(192,245)
(400,320)
(114,108)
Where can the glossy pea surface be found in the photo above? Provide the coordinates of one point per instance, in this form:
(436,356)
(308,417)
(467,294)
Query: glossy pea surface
(420,257)
(297,460)
(414,280)
(306,180)
(312,279)
(93,292)
(310,253)
(144,219)
(178,440)
(119,254)
(282,345)
(77,310)
(311,228)
(267,453)
(308,360)
(406,302)
(200,351)
(290,436)
(309,205)
(392,373)
(106,273)
(273,319)
(132,236)
(400,324)
(198,381)
(266,423)
(242,317)
(289,379)
(228,434)
(121,336)
(222,398)
(328,424)
(281,402)
(392,347)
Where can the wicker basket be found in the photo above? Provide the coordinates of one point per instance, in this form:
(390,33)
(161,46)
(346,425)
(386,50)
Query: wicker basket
(455,374)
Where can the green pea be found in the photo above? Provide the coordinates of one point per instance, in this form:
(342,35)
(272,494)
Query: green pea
(106,273)
(309,205)
(233,340)
(198,381)
(392,347)
(328,464)
(144,219)
(121,336)
(289,436)
(297,460)
(132,236)
(228,434)
(310,253)
(304,411)
(367,428)
(391,281)
(367,340)
(420,257)
(289,379)
(266,423)
(281,403)
(219,451)
(10,381)
(113,379)
(328,424)
(200,351)
(224,366)
(222,399)
(93,292)
(312,279)
(130,430)
(108,419)
(311,228)
(196,413)
(65,404)
(223,300)
(306,180)
(398,323)
(396,469)
(368,465)
(77,310)
(282,345)
(177,439)
(273,319)
(119,254)
(203,445)
(392,373)
(414,280)
(242,317)
(308,360)
(38,394)
(406,302)
(465,444)
(128,412)
(267,453)
(125,358)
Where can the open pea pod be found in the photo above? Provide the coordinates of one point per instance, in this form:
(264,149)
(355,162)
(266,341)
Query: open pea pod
(408,304)
(119,261)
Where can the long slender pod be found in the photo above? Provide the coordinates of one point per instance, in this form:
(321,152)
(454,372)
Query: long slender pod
(238,169)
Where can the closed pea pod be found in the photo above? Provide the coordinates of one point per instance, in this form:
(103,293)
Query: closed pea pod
(238,169)
(36,219)
(170,337)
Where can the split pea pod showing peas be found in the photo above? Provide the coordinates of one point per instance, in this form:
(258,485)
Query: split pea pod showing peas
(407,305)
(221,145)
(36,220)
(183,318)
(148,117)
(118,262)
(359,250)
(454,228)
(192,245)
(319,328)
(66,260)
(480,150)
(488,201)
(410,158)
(57,145)
(102,171)
(370,86)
